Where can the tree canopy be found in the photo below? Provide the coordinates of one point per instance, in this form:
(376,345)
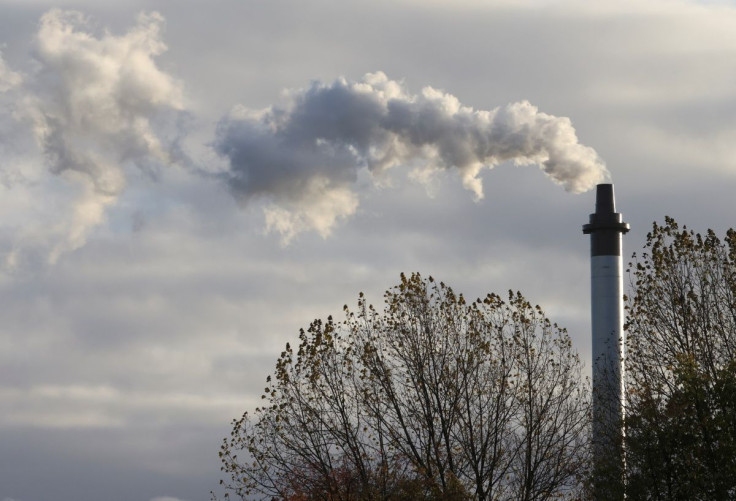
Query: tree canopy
(433,398)
(681,367)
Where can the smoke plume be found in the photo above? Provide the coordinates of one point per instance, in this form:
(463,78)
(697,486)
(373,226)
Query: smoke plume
(95,105)
(304,157)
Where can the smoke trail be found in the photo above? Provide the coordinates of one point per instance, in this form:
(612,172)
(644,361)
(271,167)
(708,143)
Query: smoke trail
(304,157)
(94,105)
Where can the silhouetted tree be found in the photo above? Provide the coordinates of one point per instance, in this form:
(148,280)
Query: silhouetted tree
(681,367)
(433,398)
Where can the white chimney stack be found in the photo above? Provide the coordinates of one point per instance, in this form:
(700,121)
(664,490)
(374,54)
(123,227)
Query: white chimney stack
(606,229)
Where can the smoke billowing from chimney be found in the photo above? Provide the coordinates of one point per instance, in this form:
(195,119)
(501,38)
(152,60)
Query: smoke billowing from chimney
(304,157)
(96,105)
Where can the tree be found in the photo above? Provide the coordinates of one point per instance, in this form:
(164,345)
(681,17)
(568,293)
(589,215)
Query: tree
(681,367)
(433,398)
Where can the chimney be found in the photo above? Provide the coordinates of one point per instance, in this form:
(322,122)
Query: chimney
(606,229)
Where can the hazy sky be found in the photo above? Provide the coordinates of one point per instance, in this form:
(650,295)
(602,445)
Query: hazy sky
(184,184)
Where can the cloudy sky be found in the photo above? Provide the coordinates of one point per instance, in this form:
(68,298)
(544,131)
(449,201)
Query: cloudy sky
(184,184)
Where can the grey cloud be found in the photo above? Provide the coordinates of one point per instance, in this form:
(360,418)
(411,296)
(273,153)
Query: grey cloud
(83,464)
(306,156)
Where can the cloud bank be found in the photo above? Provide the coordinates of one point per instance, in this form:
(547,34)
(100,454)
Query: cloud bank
(305,157)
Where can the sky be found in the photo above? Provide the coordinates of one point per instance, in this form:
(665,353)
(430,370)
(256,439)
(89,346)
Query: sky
(184,184)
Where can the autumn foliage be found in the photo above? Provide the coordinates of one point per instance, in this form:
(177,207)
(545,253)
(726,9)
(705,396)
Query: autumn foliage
(433,398)
(681,365)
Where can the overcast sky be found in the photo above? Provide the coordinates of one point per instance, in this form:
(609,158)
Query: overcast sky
(184,184)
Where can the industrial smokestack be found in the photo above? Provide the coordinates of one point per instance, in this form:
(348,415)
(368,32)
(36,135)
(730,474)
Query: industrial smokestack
(606,228)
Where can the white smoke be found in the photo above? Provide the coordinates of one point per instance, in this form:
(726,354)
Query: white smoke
(304,157)
(95,104)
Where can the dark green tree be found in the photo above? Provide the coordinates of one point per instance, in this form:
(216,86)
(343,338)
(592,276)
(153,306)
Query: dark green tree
(681,367)
(432,398)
